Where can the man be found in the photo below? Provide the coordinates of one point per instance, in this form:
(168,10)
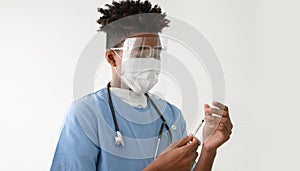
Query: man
(123,127)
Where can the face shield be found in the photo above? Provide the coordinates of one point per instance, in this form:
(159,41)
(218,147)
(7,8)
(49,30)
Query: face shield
(141,62)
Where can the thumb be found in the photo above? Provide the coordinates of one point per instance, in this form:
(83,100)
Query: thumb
(185,140)
(207,110)
(206,106)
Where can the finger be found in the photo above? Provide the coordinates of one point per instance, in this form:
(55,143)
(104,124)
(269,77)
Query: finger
(220,105)
(193,145)
(191,159)
(195,141)
(227,127)
(219,112)
(194,157)
(227,123)
(222,128)
(184,140)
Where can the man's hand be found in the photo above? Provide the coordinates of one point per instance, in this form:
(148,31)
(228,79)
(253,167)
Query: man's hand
(217,130)
(178,156)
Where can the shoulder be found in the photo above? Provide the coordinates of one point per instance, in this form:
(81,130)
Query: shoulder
(86,110)
(170,110)
(163,101)
(90,100)
(88,105)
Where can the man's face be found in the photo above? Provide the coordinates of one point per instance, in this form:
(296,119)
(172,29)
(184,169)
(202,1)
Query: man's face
(137,46)
(128,57)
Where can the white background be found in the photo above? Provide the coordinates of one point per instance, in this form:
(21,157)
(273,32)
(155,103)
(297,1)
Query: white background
(257,43)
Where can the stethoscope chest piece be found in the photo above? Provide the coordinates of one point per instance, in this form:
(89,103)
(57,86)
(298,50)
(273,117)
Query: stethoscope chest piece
(119,139)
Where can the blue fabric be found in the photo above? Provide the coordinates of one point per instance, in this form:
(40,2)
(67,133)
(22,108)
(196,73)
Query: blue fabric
(86,141)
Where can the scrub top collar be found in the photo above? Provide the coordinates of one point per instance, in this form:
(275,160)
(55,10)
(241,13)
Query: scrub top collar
(130,97)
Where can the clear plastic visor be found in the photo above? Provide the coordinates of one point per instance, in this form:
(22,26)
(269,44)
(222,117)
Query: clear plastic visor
(142,47)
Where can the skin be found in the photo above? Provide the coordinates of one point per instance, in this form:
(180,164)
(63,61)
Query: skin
(180,156)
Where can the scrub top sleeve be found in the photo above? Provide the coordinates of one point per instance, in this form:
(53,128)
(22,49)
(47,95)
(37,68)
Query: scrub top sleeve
(74,150)
(183,126)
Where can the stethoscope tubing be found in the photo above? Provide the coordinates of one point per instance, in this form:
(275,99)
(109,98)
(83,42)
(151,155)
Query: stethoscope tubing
(164,122)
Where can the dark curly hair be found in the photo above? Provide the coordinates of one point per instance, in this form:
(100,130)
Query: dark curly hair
(153,22)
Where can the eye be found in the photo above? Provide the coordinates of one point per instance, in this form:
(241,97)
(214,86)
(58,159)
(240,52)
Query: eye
(158,48)
(144,48)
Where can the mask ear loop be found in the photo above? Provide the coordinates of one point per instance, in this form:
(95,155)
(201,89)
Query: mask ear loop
(115,67)
(125,44)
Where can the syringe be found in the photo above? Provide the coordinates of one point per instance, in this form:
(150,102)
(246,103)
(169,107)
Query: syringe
(194,132)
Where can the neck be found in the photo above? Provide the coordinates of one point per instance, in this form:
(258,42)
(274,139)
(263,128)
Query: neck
(115,81)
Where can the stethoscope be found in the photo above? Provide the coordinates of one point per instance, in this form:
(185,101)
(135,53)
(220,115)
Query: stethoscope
(119,140)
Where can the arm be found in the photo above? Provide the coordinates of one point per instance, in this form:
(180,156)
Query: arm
(206,160)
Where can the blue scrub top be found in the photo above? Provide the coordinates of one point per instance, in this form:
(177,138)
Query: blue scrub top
(87,136)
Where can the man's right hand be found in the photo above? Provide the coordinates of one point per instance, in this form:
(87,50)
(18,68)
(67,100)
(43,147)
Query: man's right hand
(178,156)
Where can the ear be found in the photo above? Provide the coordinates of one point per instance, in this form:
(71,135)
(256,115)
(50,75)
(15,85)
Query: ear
(110,57)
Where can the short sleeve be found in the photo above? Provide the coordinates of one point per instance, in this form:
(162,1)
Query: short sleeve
(74,150)
(183,125)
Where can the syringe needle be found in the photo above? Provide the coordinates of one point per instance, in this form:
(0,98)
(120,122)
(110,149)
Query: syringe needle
(198,127)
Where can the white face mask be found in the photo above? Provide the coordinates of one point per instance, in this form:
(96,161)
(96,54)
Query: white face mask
(139,74)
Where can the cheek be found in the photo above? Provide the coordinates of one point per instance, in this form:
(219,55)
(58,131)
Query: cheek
(118,62)
(119,66)
(118,59)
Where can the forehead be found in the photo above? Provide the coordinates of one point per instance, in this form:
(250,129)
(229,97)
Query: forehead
(144,40)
